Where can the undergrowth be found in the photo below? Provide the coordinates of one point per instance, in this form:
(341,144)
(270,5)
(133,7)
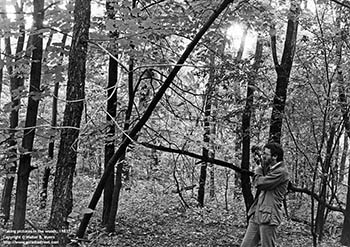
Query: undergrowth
(150,214)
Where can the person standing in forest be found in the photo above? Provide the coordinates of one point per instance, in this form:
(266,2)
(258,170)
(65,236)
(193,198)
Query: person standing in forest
(265,214)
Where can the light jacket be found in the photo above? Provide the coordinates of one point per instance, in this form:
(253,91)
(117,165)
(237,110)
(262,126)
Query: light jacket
(267,206)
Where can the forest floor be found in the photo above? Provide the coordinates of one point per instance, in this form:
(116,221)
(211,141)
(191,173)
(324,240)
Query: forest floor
(149,215)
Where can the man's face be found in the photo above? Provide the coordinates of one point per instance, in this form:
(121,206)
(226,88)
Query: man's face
(267,158)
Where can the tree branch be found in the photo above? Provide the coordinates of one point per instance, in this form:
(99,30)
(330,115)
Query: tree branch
(197,156)
(291,187)
(345,4)
(273,45)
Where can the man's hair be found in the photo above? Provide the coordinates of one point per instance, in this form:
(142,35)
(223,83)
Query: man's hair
(276,150)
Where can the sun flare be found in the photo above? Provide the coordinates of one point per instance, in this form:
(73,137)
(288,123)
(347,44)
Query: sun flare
(235,33)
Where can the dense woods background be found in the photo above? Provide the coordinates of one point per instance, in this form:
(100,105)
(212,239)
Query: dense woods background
(131,123)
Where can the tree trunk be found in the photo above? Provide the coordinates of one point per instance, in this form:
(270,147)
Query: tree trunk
(115,199)
(345,235)
(238,99)
(320,214)
(62,202)
(111,114)
(206,137)
(47,169)
(16,81)
(139,125)
(246,133)
(109,144)
(283,70)
(1,72)
(120,167)
(343,159)
(212,155)
(2,9)
(30,123)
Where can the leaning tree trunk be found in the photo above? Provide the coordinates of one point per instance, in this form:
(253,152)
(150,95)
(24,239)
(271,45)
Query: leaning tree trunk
(246,126)
(283,70)
(62,201)
(139,125)
(30,122)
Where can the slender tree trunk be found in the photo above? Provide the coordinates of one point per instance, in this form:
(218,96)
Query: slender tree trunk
(212,155)
(115,200)
(238,99)
(47,169)
(30,123)
(1,70)
(345,235)
(46,176)
(344,155)
(320,214)
(109,144)
(139,125)
(16,81)
(283,70)
(206,137)
(62,202)
(120,166)
(111,114)
(12,164)
(1,66)
(246,126)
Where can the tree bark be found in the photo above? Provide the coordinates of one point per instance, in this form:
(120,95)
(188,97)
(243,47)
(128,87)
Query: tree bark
(238,99)
(206,136)
(1,72)
(30,123)
(283,70)
(246,133)
(119,173)
(345,235)
(47,170)
(320,214)
(343,159)
(62,202)
(110,116)
(139,125)
(109,143)
(16,81)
